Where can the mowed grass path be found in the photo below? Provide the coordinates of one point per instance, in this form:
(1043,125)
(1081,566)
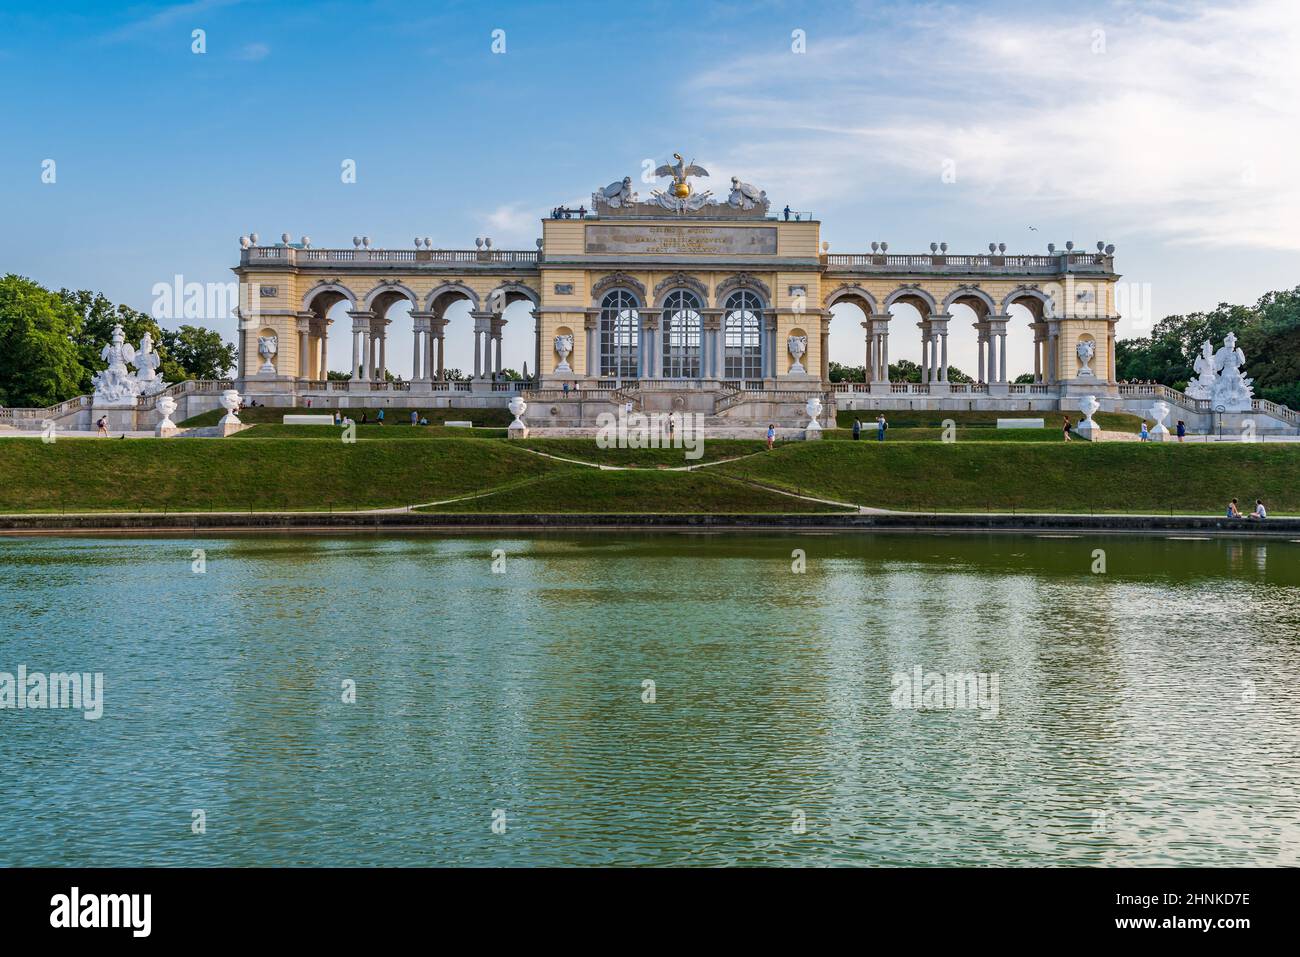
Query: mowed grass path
(265,475)
(586,450)
(1058,477)
(639,491)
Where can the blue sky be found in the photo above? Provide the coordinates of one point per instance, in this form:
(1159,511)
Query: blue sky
(1168,129)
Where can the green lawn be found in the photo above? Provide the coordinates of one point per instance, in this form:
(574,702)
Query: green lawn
(934,418)
(400,418)
(366,433)
(1079,477)
(586,450)
(962,434)
(638,491)
(267,475)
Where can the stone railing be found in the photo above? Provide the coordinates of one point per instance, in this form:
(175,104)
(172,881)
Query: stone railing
(296,256)
(1029,265)
(68,406)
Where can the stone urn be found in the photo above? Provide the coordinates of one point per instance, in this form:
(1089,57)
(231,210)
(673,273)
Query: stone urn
(165,405)
(518,429)
(230,402)
(1160,412)
(563,347)
(1088,405)
(813,430)
(797,345)
(267,347)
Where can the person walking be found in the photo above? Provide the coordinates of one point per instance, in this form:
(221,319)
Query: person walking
(415,417)
(338,418)
(1066,427)
(102,425)
(565,386)
(771,435)
(1144,435)
(881,427)
(1182,429)
(857,429)
(379,416)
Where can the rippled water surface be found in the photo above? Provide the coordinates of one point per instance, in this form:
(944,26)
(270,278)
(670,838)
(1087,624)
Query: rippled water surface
(1146,715)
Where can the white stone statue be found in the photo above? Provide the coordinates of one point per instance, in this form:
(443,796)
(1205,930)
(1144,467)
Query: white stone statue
(267,347)
(1085,350)
(745,196)
(814,409)
(563,346)
(1232,390)
(798,345)
(615,195)
(1160,412)
(230,402)
(116,384)
(517,408)
(1088,405)
(146,362)
(1203,386)
(166,405)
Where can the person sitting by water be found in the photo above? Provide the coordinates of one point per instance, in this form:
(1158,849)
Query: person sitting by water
(1233,511)
(1260,512)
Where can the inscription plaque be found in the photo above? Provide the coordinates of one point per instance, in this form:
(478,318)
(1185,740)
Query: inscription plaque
(682,240)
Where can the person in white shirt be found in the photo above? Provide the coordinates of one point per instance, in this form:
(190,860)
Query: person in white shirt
(1260,512)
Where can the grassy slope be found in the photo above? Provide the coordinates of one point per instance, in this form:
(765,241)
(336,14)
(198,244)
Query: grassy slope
(366,433)
(586,450)
(639,491)
(933,419)
(1079,477)
(961,435)
(214,474)
(486,418)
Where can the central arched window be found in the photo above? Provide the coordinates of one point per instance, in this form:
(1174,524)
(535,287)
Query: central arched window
(681,335)
(742,326)
(620,323)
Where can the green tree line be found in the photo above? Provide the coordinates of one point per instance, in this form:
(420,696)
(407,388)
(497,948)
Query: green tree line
(50,343)
(1268,332)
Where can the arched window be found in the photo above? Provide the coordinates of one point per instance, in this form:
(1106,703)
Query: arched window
(620,324)
(681,335)
(742,326)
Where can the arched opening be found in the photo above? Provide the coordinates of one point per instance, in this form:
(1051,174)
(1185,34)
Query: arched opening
(855,350)
(911,355)
(742,336)
(449,346)
(682,333)
(618,333)
(391,355)
(326,306)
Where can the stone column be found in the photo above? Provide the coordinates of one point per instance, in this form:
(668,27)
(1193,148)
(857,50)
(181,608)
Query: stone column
(651,356)
(304,345)
(982,337)
(497,325)
(997,354)
(591,326)
(868,362)
(939,348)
(711,361)
(361,320)
(824,344)
(381,367)
(420,365)
(771,353)
(323,346)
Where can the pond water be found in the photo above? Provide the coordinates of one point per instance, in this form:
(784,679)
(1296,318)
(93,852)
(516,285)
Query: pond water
(1147,713)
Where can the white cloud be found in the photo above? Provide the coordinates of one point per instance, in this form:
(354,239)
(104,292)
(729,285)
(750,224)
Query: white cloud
(1178,120)
(254,52)
(514,225)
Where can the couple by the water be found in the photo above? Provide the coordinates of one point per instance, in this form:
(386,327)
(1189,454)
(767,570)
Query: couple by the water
(1259,513)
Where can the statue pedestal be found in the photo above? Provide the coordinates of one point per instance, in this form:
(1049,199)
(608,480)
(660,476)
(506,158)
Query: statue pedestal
(517,432)
(1087,428)
(166,431)
(812,435)
(229,425)
(1159,433)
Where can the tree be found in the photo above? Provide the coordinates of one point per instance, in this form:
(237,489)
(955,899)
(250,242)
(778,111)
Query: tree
(904,370)
(1025,378)
(39,362)
(843,373)
(197,353)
